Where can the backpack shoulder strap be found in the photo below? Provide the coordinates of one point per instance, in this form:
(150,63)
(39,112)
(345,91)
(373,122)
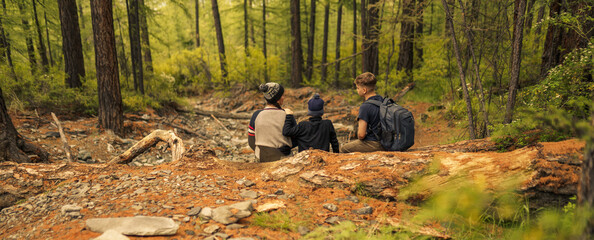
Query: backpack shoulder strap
(374,102)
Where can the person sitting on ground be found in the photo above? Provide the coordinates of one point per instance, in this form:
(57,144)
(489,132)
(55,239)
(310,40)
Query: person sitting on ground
(315,133)
(368,119)
(265,131)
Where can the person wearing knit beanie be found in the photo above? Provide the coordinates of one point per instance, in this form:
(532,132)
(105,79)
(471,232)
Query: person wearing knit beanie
(265,134)
(315,106)
(316,133)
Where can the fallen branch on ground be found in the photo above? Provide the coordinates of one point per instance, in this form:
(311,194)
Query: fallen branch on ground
(64,139)
(176,144)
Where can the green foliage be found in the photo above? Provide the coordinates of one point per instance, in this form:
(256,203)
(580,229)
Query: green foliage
(566,86)
(280,221)
(348,230)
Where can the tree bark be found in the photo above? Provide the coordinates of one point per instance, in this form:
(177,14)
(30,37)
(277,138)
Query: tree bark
(80,13)
(516,58)
(449,22)
(6,43)
(49,44)
(586,182)
(337,50)
(74,62)
(418,38)
(135,45)
(42,49)
(354,66)
(311,40)
(477,72)
(220,42)
(28,38)
(296,51)
(407,32)
(108,83)
(245,28)
(370,31)
(13,147)
(197,8)
(264,40)
(144,34)
(122,59)
(324,69)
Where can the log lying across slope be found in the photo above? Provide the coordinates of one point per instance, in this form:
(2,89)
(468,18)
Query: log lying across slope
(547,172)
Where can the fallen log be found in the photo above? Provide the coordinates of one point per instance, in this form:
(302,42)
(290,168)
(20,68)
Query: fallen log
(175,143)
(244,116)
(402,92)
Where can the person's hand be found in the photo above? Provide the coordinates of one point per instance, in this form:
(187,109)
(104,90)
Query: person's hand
(288,111)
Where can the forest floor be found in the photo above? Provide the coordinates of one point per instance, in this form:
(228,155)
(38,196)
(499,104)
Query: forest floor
(174,188)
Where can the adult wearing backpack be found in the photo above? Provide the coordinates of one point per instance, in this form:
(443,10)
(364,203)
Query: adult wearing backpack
(265,131)
(368,118)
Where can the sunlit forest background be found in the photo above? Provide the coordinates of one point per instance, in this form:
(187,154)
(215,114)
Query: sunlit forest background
(518,70)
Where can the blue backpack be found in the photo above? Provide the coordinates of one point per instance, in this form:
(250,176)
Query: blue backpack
(397,125)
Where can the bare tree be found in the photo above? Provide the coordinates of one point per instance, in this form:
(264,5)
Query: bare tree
(450,24)
(245,27)
(337,51)
(135,45)
(28,39)
(197,5)
(296,51)
(41,48)
(264,40)
(370,32)
(324,70)
(310,41)
(407,32)
(516,58)
(108,82)
(354,66)
(144,36)
(220,42)
(74,61)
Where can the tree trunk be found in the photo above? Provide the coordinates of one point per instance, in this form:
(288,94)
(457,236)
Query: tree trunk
(251,23)
(220,42)
(74,62)
(449,22)
(516,58)
(407,31)
(354,74)
(392,47)
(122,59)
(49,44)
(28,38)
(42,50)
(310,41)
(529,16)
(324,69)
(296,51)
(264,40)
(337,51)
(80,13)
(197,8)
(135,46)
(106,63)
(144,34)
(245,28)
(541,12)
(586,182)
(13,147)
(418,38)
(370,31)
(477,72)
(6,43)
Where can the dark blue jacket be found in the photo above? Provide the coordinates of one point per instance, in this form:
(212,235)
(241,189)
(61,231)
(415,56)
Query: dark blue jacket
(315,133)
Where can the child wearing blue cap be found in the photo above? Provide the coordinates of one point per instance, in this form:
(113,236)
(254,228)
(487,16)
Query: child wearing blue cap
(315,133)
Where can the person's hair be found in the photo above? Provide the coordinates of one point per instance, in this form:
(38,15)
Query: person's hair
(367,80)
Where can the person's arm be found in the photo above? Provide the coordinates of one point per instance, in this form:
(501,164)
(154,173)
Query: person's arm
(362,130)
(252,131)
(290,129)
(333,139)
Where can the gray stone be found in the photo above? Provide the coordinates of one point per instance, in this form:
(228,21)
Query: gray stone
(219,201)
(364,210)
(205,213)
(279,192)
(235,226)
(331,207)
(303,230)
(333,220)
(212,229)
(194,211)
(190,232)
(70,209)
(242,238)
(111,235)
(249,194)
(232,213)
(137,226)
(52,134)
(84,155)
(221,235)
(353,198)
